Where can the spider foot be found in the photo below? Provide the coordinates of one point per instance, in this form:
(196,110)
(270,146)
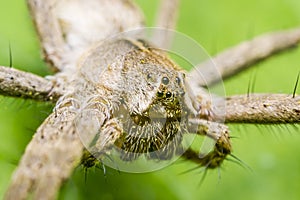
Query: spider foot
(222,147)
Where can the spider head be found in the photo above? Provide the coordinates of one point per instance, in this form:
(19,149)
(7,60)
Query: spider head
(152,78)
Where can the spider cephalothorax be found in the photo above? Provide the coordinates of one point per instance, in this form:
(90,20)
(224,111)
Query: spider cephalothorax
(154,125)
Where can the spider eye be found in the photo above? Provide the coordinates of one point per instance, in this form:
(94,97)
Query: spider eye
(160,94)
(177,79)
(169,94)
(165,80)
(149,76)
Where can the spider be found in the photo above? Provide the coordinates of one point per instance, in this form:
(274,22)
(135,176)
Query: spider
(146,103)
(143,82)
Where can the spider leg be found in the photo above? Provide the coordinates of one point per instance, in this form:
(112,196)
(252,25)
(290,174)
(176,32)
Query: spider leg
(64,26)
(49,31)
(110,132)
(244,55)
(98,129)
(16,83)
(167,14)
(166,18)
(50,157)
(219,133)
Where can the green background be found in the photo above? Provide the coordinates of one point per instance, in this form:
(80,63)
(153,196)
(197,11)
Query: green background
(271,151)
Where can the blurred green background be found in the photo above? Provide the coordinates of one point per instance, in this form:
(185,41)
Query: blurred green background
(271,151)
